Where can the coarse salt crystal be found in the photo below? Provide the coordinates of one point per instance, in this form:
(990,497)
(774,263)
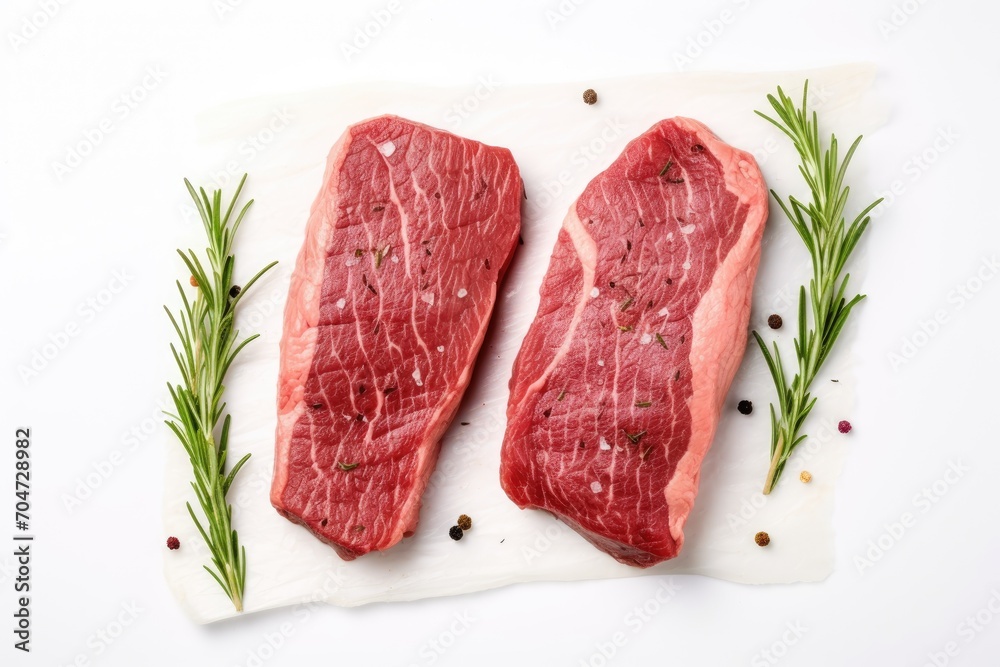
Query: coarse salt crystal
(595,487)
(600,362)
(594,293)
(462,293)
(428,298)
(603,444)
(646,339)
(341,303)
(387,149)
(663,312)
(686,265)
(440,348)
(416,376)
(687,229)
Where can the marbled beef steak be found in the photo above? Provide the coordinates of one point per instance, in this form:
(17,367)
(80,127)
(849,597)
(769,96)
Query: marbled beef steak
(388,305)
(617,389)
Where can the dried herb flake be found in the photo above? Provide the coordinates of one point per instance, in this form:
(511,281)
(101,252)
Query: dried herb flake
(634,438)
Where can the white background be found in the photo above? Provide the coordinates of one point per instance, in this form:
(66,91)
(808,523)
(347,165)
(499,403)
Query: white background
(63,239)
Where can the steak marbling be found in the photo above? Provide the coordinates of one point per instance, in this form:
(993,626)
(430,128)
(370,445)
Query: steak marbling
(388,305)
(618,386)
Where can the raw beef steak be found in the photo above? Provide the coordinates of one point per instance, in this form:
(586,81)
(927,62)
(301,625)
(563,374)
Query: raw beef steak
(388,305)
(617,388)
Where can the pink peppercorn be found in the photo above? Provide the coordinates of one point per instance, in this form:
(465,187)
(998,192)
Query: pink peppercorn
(173,543)
(844,426)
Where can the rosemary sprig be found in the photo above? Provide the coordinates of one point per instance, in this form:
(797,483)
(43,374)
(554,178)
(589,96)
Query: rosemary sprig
(208,345)
(821,225)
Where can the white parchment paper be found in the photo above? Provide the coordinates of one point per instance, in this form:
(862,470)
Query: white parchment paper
(560,143)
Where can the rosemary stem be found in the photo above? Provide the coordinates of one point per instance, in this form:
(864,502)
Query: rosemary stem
(820,223)
(773,470)
(223,520)
(208,343)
